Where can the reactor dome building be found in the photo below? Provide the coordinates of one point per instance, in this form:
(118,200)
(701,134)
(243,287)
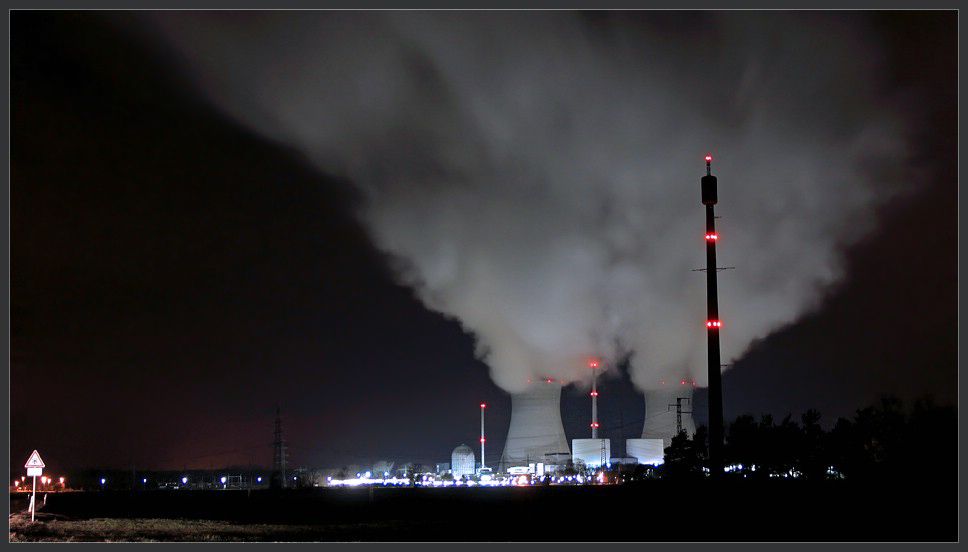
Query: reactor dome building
(536,433)
(462,461)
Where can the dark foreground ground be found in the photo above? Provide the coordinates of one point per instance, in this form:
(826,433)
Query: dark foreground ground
(654,511)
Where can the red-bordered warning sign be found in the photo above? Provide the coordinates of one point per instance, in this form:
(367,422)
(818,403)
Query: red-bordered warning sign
(34,461)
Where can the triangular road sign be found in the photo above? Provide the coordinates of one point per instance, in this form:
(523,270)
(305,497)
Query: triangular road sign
(34,461)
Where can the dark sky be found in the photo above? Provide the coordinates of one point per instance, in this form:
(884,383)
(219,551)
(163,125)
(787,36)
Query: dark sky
(175,276)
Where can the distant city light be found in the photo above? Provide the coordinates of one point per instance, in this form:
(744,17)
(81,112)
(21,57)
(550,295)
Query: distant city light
(184,480)
(223,480)
(102,481)
(145,480)
(62,480)
(258,480)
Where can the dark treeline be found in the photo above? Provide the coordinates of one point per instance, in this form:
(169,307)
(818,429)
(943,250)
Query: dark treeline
(886,440)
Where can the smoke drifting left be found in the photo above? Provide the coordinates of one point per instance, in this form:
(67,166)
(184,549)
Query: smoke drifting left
(535,175)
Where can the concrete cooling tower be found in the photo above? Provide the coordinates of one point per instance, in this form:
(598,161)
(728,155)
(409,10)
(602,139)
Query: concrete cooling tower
(536,433)
(660,422)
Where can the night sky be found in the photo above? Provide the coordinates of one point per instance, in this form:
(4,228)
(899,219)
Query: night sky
(175,275)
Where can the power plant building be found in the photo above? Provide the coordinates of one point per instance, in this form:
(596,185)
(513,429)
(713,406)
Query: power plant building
(591,452)
(662,421)
(462,461)
(645,451)
(536,433)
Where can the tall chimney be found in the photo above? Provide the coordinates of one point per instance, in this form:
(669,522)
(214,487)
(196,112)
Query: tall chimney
(713,325)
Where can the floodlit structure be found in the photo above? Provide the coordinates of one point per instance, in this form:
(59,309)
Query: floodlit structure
(536,433)
(645,451)
(592,452)
(462,461)
(666,409)
(660,411)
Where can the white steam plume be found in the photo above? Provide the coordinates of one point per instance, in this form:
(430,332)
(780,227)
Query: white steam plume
(535,175)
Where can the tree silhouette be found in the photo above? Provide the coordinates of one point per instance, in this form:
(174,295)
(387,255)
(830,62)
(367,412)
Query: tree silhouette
(685,457)
(812,457)
(881,441)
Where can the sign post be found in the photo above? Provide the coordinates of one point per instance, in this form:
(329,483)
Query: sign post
(35,466)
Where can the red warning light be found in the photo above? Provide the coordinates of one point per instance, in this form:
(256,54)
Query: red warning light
(482,440)
(550,381)
(712,237)
(693,383)
(594,424)
(709,158)
(594,393)
(714,324)
(593,364)
(483,405)
(663,382)
(683,382)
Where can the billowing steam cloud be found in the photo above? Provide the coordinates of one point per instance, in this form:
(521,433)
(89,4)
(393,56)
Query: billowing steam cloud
(535,175)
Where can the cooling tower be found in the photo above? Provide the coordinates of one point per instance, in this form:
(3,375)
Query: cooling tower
(660,417)
(535,433)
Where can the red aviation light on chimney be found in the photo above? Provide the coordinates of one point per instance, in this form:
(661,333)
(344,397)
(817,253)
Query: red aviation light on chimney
(550,380)
(712,237)
(683,382)
(595,424)
(593,363)
(594,393)
(709,158)
(482,440)
(714,324)
(483,405)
